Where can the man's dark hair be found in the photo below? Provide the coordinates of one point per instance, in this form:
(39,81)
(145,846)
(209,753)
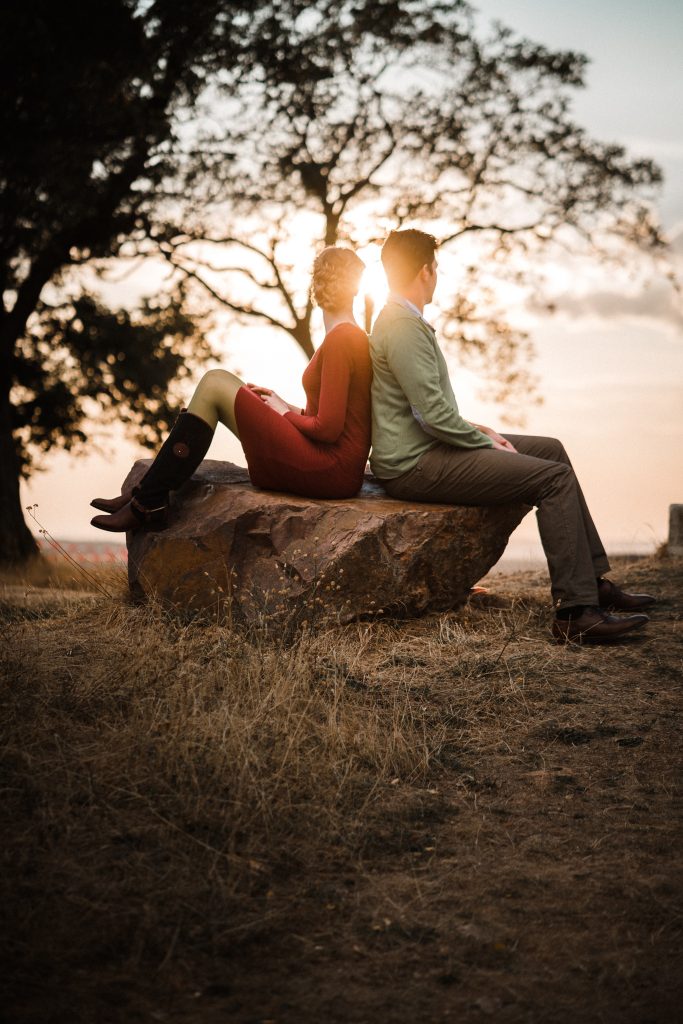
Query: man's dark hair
(405,253)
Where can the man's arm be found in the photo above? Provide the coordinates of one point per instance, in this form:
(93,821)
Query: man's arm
(413,361)
(498,440)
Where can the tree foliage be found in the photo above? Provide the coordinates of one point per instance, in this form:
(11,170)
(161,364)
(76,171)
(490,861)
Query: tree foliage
(96,104)
(83,361)
(465,134)
(212,136)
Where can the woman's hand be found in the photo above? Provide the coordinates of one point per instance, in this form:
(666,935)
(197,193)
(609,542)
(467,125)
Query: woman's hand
(270,398)
(277,403)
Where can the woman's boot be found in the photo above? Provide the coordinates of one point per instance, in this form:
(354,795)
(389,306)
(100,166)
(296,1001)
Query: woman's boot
(112,504)
(178,458)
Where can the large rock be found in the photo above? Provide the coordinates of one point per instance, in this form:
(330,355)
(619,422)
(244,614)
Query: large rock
(260,553)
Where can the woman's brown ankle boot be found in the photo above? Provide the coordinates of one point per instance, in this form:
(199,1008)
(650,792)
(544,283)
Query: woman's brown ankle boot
(112,504)
(178,458)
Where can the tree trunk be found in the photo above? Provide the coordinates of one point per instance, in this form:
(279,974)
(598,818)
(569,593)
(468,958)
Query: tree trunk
(301,333)
(17,543)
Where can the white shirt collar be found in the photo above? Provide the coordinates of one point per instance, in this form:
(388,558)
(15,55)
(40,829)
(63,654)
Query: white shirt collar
(407,304)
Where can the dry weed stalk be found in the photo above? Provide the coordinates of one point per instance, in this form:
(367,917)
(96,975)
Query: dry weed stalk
(207,724)
(174,789)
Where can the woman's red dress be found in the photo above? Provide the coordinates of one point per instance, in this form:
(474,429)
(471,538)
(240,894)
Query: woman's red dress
(322,452)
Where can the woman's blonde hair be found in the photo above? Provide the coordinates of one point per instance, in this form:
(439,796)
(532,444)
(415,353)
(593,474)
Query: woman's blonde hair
(336,276)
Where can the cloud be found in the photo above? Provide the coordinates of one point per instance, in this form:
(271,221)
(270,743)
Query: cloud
(657,303)
(676,237)
(657,149)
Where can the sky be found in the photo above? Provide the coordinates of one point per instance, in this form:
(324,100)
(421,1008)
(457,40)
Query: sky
(610,360)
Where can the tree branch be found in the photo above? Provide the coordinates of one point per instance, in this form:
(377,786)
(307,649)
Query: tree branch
(266,285)
(234,306)
(350,193)
(279,284)
(284,290)
(499,228)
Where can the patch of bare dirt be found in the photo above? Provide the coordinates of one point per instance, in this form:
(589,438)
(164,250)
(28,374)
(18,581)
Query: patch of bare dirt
(440,819)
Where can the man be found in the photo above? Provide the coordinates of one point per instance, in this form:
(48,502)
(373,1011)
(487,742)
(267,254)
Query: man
(423,450)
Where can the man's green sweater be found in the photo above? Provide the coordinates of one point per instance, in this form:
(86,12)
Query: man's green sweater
(413,405)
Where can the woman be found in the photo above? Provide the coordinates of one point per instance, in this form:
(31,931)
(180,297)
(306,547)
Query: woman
(319,453)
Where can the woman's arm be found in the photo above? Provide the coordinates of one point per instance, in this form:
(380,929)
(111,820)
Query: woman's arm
(328,423)
(280,405)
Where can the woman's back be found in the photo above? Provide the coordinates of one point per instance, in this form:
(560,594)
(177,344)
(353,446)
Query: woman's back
(321,452)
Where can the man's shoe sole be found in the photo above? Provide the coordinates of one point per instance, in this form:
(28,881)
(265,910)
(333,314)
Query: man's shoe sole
(626,611)
(593,636)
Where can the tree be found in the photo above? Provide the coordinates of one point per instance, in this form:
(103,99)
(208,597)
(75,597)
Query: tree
(388,108)
(470,137)
(95,104)
(85,115)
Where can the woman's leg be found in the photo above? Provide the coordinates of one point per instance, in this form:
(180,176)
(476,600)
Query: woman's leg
(214,399)
(213,402)
(180,454)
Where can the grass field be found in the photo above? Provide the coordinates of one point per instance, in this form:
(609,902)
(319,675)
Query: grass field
(444,819)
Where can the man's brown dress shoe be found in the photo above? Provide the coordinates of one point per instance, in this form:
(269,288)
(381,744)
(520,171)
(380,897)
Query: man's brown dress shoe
(595,626)
(615,599)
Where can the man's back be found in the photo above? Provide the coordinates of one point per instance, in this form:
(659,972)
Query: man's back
(423,450)
(413,405)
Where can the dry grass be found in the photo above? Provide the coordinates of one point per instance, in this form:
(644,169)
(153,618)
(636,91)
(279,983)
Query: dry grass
(55,578)
(263,830)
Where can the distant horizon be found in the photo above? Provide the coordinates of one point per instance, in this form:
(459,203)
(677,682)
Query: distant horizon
(610,360)
(519,550)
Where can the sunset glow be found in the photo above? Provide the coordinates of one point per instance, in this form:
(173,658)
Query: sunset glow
(374,282)
(603,319)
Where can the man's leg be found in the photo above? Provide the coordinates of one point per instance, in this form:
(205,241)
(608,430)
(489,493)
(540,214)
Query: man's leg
(552,449)
(485,476)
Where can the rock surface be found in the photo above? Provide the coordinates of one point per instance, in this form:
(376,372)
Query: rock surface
(259,554)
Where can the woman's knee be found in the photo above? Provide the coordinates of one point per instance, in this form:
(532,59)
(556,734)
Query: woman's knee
(215,397)
(216,380)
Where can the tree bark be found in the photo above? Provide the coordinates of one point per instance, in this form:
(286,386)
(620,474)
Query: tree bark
(17,543)
(301,333)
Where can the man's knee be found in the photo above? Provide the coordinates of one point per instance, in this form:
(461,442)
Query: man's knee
(549,448)
(558,477)
(556,449)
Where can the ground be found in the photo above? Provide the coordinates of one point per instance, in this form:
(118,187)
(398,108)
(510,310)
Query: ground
(449,818)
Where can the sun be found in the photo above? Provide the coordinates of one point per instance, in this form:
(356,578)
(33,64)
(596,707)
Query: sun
(373,286)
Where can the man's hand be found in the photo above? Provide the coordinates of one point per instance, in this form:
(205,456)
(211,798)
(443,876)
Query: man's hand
(500,443)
